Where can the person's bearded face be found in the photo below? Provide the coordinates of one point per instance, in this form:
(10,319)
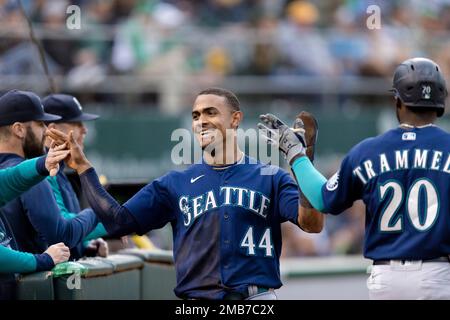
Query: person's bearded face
(33,144)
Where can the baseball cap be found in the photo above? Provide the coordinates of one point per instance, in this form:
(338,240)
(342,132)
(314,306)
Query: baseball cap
(22,106)
(67,107)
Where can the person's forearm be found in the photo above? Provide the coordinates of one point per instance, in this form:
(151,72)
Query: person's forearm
(18,179)
(83,167)
(54,228)
(98,232)
(310,220)
(12,261)
(116,219)
(310,181)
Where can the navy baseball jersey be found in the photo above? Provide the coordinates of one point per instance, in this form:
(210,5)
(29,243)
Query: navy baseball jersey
(403,178)
(226,224)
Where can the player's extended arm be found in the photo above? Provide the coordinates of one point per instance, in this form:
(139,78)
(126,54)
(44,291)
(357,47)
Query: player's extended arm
(310,220)
(99,230)
(45,216)
(18,179)
(310,181)
(116,219)
(12,261)
(292,145)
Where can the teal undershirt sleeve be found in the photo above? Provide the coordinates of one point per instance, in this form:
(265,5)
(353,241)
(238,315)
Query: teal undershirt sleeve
(12,261)
(59,199)
(98,232)
(310,181)
(18,179)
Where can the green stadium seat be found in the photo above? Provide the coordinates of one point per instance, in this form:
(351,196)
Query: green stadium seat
(35,286)
(89,283)
(126,276)
(114,278)
(158,274)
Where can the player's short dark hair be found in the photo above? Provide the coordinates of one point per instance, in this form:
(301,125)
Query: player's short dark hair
(5,133)
(231,98)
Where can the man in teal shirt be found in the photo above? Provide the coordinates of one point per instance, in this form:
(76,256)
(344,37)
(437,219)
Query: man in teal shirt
(13,182)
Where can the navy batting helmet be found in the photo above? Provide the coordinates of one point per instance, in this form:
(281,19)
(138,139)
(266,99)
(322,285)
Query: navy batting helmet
(419,83)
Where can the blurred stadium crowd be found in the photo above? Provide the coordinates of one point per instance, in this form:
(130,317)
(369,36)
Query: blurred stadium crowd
(158,53)
(208,40)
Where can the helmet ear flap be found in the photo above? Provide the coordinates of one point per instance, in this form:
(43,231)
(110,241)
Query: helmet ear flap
(397,98)
(395,93)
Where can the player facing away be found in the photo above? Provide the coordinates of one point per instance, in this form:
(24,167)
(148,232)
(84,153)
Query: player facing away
(225,215)
(403,178)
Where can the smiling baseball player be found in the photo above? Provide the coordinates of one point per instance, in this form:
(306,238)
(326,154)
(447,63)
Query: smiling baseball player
(225,214)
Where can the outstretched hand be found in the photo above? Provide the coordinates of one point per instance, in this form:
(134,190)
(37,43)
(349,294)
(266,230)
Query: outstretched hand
(54,156)
(76,158)
(290,142)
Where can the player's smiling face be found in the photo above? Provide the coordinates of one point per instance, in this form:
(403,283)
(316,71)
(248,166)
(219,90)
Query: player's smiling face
(211,117)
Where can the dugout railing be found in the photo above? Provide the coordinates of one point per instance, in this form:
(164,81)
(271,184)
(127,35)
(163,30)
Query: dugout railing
(137,274)
(131,275)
